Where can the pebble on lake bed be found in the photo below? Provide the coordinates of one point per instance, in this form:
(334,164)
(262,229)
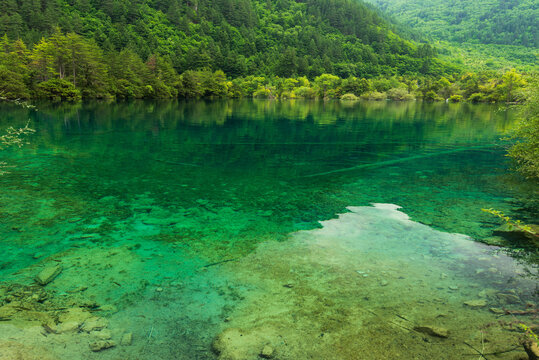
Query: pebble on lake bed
(267,352)
(476,303)
(101,345)
(48,274)
(433,331)
(127,339)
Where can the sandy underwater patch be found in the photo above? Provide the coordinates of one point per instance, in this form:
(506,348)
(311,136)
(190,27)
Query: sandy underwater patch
(372,284)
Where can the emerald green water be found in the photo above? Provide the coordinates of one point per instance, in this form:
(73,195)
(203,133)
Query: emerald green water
(172,187)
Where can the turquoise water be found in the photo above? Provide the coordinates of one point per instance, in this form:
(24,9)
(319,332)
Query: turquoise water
(165,212)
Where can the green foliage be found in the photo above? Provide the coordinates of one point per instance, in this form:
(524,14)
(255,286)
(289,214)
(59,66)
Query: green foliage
(71,67)
(477,35)
(455,98)
(531,334)
(374,95)
(526,151)
(262,93)
(240,37)
(15,137)
(12,84)
(399,94)
(327,86)
(431,96)
(349,97)
(484,57)
(513,224)
(510,22)
(57,90)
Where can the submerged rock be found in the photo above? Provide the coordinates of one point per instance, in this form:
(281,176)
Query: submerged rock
(237,344)
(101,345)
(74,315)
(94,323)
(6,312)
(127,339)
(433,331)
(508,298)
(48,274)
(267,352)
(102,335)
(12,350)
(531,349)
(476,303)
(67,327)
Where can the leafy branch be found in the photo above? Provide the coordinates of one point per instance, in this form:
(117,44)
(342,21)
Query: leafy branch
(15,137)
(529,332)
(513,224)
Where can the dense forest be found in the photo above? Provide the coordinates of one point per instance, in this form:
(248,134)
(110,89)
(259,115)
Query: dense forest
(478,35)
(69,67)
(115,47)
(507,22)
(68,50)
(240,37)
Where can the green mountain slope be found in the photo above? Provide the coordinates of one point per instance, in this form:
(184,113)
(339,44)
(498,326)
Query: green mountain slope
(72,49)
(507,22)
(240,37)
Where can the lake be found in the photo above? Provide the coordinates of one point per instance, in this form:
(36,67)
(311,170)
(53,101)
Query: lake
(283,229)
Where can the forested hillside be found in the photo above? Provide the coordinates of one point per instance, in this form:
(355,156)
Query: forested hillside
(67,50)
(508,22)
(240,37)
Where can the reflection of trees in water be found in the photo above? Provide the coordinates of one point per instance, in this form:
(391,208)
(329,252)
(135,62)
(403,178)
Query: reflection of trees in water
(144,115)
(268,137)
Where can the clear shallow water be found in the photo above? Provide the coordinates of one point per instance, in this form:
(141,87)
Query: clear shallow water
(139,197)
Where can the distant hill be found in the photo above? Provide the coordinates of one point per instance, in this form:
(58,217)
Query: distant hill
(505,22)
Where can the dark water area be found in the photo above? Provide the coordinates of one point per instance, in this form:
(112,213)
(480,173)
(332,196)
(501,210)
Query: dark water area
(176,187)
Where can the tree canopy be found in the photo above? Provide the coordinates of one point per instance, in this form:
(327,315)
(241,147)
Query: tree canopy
(507,22)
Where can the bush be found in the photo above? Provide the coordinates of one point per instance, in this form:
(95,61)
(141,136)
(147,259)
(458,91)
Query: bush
(477,97)
(349,97)
(305,92)
(526,151)
(400,94)
(123,89)
(288,95)
(12,85)
(374,95)
(431,96)
(262,93)
(455,98)
(57,90)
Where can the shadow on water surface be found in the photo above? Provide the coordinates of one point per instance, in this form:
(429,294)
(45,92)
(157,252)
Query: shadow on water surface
(164,218)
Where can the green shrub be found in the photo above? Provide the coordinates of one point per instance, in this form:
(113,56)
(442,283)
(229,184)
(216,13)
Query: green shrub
(477,97)
(455,98)
(526,151)
(305,92)
(349,97)
(12,85)
(287,95)
(262,93)
(374,95)
(431,96)
(399,94)
(57,90)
